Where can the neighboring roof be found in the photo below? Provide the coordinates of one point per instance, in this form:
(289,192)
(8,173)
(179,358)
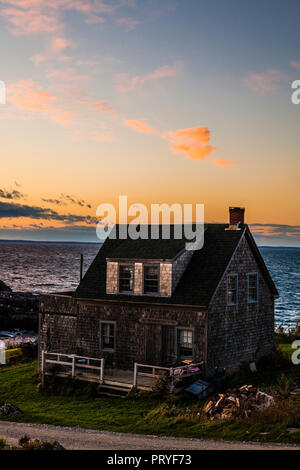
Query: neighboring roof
(200,278)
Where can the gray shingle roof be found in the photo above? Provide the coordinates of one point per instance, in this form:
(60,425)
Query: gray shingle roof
(199,280)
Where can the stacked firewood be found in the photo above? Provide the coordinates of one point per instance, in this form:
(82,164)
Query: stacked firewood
(237,402)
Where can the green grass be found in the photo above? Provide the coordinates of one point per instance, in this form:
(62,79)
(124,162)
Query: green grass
(137,414)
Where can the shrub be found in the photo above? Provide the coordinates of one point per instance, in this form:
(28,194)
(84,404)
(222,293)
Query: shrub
(26,443)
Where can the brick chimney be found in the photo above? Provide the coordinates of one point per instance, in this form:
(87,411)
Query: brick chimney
(236,217)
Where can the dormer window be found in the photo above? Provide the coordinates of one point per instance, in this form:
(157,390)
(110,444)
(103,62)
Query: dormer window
(126,272)
(151,279)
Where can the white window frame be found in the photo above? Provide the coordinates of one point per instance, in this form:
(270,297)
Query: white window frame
(188,328)
(236,276)
(126,292)
(251,301)
(102,347)
(150,265)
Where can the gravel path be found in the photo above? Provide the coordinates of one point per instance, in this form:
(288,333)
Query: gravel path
(87,439)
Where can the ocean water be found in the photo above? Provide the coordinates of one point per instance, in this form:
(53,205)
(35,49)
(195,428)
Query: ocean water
(284,267)
(55,267)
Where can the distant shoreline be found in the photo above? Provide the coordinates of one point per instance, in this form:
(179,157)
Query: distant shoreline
(58,242)
(41,242)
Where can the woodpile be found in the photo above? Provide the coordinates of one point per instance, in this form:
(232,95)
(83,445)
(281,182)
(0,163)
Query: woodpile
(237,402)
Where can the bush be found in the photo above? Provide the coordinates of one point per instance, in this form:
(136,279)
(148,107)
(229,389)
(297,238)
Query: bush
(26,443)
(30,351)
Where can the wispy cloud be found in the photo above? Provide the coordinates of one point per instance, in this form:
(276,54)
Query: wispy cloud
(222,162)
(192,142)
(265,82)
(10,194)
(128,23)
(126,83)
(12,210)
(44,17)
(140,126)
(276,230)
(295,65)
(65,199)
(32,97)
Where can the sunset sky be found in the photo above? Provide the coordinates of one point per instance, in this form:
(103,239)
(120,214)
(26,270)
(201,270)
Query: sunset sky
(175,101)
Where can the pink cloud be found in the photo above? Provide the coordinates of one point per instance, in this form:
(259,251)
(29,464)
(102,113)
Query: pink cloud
(295,65)
(266,82)
(59,43)
(140,126)
(40,16)
(30,96)
(30,21)
(126,84)
(128,23)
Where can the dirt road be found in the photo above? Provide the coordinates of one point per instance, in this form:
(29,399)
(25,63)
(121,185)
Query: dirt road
(86,439)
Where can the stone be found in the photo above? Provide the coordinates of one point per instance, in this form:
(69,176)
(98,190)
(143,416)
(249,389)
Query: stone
(4,287)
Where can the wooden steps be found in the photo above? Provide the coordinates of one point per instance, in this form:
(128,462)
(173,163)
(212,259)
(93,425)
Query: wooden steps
(113,389)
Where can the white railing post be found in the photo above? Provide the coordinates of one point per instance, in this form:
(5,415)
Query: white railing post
(172,378)
(135,378)
(43,362)
(43,368)
(73,366)
(101,371)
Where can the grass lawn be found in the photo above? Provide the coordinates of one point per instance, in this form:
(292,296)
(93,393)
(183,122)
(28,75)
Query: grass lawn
(137,414)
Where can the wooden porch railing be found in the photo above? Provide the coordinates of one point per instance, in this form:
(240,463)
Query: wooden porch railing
(92,369)
(88,365)
(166,371)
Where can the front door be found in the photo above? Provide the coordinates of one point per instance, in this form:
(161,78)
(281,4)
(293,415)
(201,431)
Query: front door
(153,344)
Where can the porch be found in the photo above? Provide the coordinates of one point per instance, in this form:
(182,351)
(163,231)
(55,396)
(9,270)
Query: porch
(88,369)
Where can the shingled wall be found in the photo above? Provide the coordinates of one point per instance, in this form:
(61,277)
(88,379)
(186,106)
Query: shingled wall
(244,332)
(144,334)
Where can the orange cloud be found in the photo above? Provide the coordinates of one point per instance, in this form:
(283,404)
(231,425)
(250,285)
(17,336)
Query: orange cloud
(266,82)
(58,44)
(193,142)
(30,96)
(40,16)
(221,162)
(140,126)
(126,84)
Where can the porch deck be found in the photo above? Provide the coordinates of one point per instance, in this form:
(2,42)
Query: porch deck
(87,369)
(111,377)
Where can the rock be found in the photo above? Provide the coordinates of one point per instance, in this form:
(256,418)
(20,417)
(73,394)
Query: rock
(4,287)
(6,409)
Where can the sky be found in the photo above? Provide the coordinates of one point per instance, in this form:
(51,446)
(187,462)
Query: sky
(164,101)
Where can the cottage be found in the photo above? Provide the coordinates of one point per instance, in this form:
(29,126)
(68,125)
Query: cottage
(153,302)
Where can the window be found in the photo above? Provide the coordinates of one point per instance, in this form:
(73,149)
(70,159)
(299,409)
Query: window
(126,278)
(252,287)
(151,279)
(185,343)
(232,289)
(108,335)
